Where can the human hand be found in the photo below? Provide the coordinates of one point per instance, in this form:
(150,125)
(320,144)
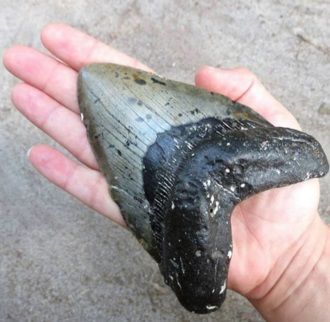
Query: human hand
(269,229)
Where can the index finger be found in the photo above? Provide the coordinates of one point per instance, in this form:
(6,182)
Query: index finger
(77,49)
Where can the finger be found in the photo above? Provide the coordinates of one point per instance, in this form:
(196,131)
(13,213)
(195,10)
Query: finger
(45,73)
(87,185)
(58,122)
(78,49)
(240,85)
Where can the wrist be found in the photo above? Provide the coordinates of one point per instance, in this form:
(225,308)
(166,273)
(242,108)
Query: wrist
(298,286)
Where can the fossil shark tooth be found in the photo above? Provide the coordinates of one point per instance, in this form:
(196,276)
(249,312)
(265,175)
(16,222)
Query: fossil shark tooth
(178,159)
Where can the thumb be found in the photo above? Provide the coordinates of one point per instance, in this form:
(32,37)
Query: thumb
(242,86)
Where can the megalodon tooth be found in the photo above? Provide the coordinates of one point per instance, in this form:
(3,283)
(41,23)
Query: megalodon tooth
(177,160)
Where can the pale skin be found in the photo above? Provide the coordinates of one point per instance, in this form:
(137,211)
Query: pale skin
(281,247)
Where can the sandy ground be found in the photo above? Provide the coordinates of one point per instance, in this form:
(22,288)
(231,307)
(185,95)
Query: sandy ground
(61,261)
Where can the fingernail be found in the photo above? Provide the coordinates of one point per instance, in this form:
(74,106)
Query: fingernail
(207,67)
(29,152)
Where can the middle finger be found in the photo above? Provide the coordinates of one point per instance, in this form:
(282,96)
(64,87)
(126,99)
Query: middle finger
(45,73)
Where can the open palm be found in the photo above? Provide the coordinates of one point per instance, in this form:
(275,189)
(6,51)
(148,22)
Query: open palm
(268,229)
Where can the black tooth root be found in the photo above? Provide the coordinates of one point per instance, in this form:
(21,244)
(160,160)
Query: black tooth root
(194,176)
